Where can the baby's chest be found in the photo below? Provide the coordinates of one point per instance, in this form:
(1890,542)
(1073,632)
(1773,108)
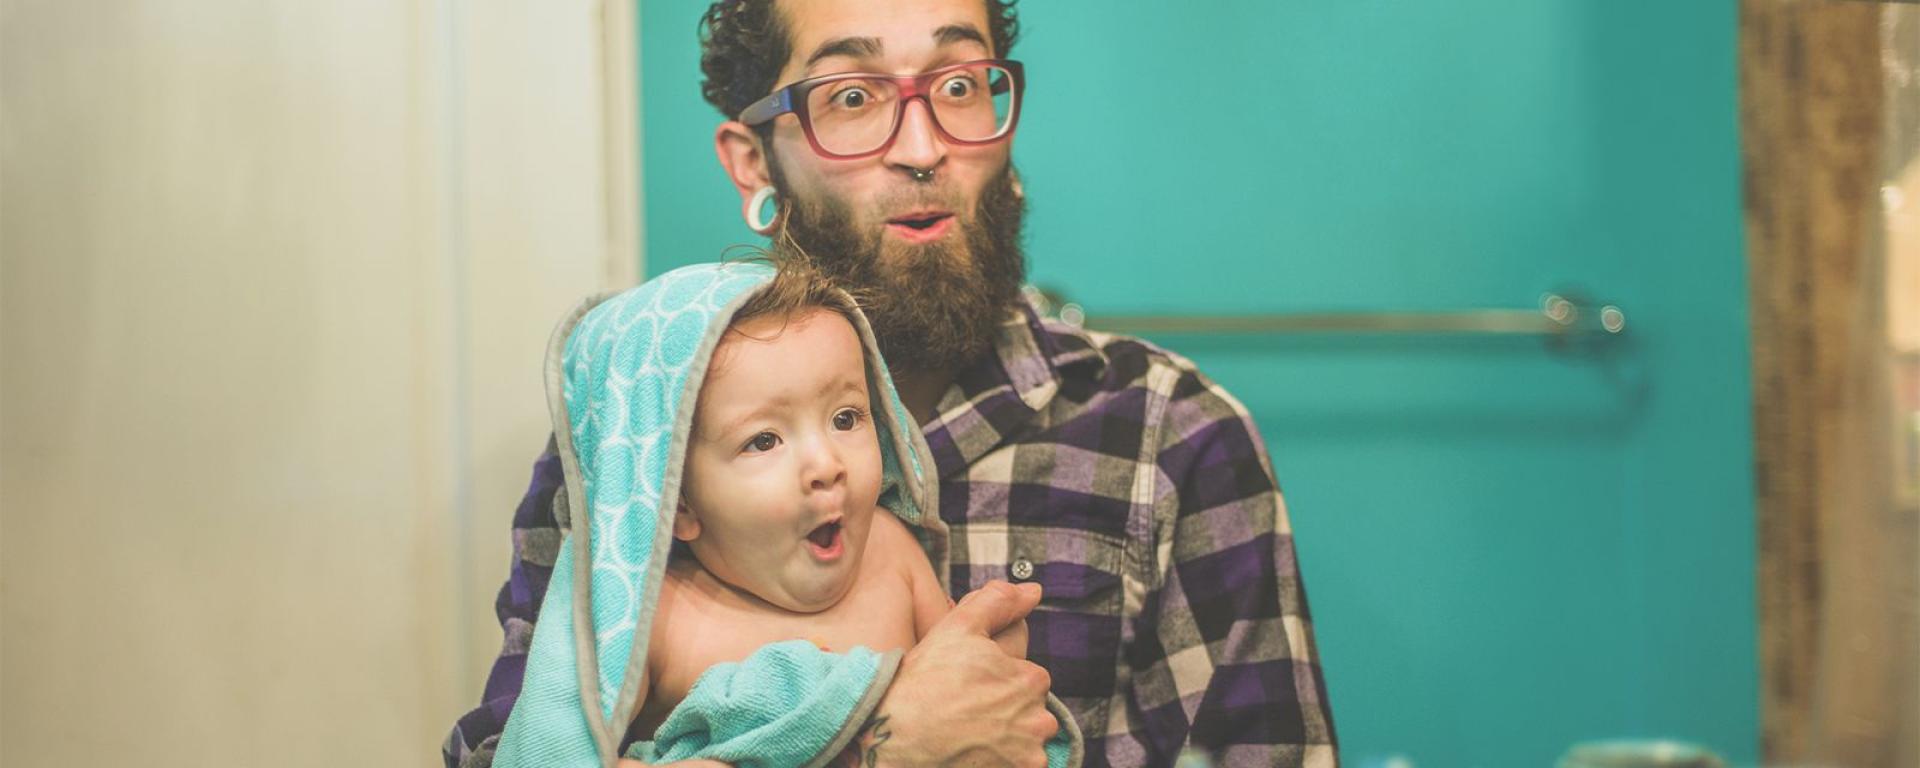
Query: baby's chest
(873,615)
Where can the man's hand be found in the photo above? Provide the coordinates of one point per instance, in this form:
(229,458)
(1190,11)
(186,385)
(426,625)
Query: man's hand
(959,698)
(1013,639)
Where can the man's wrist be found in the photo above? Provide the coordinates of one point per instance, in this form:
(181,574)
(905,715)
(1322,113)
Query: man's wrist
(870,743)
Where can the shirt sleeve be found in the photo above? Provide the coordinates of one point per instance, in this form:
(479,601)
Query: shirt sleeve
(1226,659)
(536,543)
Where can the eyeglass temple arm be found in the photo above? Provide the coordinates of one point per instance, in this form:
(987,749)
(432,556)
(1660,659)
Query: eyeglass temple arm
(778,103)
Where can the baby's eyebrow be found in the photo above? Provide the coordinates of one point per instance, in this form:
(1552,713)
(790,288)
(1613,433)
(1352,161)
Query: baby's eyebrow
(776,403)
(844,384)
(737,423)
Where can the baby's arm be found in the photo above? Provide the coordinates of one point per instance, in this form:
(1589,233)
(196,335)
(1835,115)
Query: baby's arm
(661,639)
(930,602)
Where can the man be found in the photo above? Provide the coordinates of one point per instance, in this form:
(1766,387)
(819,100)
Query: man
(1129,486)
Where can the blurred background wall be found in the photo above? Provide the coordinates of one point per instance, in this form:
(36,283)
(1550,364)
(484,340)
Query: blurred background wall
(1507,550)
(278,279)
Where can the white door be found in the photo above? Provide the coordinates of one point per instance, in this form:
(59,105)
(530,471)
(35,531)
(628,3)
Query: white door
(277,279)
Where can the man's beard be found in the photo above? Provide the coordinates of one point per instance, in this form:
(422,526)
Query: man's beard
(933,306)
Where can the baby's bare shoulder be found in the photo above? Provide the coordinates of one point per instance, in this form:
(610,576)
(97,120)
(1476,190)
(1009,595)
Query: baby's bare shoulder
(891,541)
(695,626)
(885,523)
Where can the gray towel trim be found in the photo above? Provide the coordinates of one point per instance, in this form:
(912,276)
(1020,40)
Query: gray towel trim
(1077,752)
(910,451)
(605,739)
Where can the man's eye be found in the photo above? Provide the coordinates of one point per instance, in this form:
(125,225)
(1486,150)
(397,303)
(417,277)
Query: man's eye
(957,88)
(851,98)
(763,442)
(847,419)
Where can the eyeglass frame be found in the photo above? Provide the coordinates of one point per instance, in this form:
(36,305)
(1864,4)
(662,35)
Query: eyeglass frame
(793,98)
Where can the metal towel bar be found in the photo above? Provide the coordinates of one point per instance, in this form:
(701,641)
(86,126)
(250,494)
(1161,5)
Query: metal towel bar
(1559,315)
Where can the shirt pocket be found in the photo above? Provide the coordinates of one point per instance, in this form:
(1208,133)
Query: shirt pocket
(1076,633)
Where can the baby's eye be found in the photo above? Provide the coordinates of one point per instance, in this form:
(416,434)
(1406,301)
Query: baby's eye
(763,442)
(847,418)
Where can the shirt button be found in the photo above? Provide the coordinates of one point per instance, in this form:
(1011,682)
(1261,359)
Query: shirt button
(1022,569)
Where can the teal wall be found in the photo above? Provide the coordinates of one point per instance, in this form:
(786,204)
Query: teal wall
(1507,550)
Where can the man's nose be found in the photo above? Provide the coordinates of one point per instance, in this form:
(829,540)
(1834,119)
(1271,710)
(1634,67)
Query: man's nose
(918,145)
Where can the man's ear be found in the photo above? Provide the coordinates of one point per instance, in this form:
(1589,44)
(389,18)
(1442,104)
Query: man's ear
(686,527)
(743,157)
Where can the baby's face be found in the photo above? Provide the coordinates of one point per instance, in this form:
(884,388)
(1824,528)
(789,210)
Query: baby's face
(783,467)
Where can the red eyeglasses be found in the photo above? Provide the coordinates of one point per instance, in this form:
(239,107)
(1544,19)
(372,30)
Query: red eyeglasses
(857,114)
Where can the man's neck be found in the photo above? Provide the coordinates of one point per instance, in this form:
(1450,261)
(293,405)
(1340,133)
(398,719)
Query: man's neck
(920,391)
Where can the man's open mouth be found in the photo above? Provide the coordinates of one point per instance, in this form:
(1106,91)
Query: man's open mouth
(826,540)
(920,221)
(921,226)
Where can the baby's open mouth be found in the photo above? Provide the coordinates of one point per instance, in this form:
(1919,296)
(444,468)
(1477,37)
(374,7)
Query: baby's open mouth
(825,539)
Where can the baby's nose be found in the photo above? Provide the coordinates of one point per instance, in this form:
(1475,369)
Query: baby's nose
(826,471)
(826,481)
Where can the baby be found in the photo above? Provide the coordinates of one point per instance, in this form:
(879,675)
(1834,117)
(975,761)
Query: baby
(778,531)
(751,545)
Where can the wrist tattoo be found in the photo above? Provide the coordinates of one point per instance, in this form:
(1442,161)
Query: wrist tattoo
(875,735)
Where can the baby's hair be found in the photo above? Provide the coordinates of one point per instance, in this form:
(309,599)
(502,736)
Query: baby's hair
(797,285)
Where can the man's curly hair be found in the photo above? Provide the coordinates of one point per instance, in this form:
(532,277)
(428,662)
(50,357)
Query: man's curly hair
(744,43)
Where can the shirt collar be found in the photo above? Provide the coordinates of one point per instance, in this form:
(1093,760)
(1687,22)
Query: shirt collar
(995,398)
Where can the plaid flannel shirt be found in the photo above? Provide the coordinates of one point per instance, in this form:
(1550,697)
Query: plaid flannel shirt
(1138,494)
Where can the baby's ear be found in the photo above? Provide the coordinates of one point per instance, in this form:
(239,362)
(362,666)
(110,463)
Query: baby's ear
(686,527)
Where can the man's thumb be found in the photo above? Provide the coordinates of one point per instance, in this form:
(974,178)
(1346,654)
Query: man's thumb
(991,608)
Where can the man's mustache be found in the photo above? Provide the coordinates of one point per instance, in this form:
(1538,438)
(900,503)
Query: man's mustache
(919,200)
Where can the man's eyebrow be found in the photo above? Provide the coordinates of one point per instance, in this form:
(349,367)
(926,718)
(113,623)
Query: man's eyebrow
(959,33)
(851,47)
(871,48)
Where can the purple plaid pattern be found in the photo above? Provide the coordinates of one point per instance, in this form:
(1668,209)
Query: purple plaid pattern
(1139,495)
